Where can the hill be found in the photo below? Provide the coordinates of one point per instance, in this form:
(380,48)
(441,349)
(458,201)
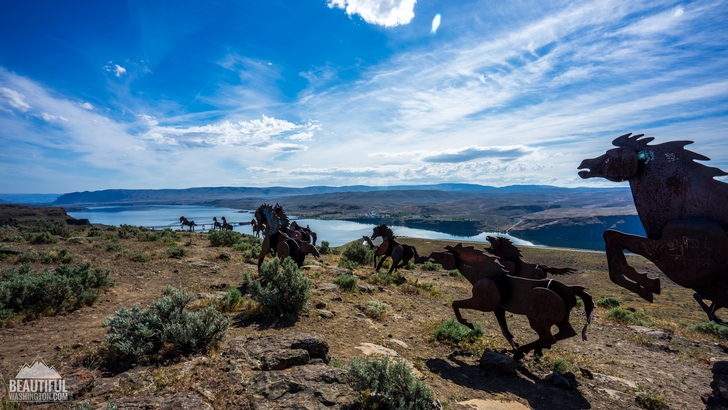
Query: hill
(620,366)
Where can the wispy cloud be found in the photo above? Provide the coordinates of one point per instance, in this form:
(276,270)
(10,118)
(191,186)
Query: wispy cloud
(475,152)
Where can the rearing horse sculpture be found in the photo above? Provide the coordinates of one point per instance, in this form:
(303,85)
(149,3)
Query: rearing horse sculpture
(400,253)
(510,257)
(684,211)
(545,302)
(275,225)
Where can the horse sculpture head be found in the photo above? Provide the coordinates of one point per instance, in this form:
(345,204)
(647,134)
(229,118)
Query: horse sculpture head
(473,263)
(272,217)
(382,230)
(503,248)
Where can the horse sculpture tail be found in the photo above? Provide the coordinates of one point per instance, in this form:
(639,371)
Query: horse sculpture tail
(588,306)
(557,271)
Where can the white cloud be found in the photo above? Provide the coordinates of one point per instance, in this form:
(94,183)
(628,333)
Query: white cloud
(15,99)
(387,13)
(115,68)
(87,106)
(49,117)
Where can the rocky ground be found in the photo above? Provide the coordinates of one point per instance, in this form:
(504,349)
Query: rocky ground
(282,364)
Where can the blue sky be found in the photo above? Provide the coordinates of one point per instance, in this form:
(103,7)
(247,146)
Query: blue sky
(175,94)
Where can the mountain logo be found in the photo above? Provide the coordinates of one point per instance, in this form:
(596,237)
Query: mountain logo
(37,383)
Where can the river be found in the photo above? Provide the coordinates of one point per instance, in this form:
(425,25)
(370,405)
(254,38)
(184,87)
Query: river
(335,232)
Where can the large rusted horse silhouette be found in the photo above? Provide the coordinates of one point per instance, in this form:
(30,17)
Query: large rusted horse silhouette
(225,225)
(307,235)
(275,224)
(510,257)
(216,225)
(399,252)
(256,228)
(545,302)
(185,222)
(684,211)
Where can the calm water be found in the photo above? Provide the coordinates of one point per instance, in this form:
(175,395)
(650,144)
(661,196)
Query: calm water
(336,233)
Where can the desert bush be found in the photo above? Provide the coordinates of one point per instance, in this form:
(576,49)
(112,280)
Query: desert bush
(281,292)
(66,288)
(139,257)
(43,238)
(232,300)
(347,264)
(94,231)
(140,334)
(128,231)
(176,252)
(375,310)
(381,279)
(430,266)
(389,384)
(55,227)
(712,328)
(629,317)
(347,281)
(650,401)
(76,239)
(359,253)
(454,333)
(560,365)
(608,302)
(53,256)
(224,238)
(167,236)
(325,249)
(455,273)
(112,247)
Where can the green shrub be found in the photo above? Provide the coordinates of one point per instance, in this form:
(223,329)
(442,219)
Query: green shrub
(23,290)
(608,302)
(76,239)
(383,279)
(561,365)
(347,281)
(112,247)
(454,333)
(176,252)
(712,328)
(43,238)
(430,266)
(139,257)
(55,227)
(282,292)
(455,273)
(139,334)
(53,256)
(167,236)
(324,249)
(224,238)
(389,384)
(629,317)
(232,300)
(347,264)
(359,253)
(94,231)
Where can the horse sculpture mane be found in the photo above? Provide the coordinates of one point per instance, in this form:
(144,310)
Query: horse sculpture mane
(384,231)
(475,264)
(274,217)
(504,248)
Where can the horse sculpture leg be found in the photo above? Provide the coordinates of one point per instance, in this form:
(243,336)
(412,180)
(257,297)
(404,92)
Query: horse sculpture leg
(500,316)
(619,269)
(545,309)
(486,298)
(397,254)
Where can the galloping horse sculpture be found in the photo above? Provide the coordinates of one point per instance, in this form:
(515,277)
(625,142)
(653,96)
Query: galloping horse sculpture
(510,257)
(256,228)
(545,302)
(216,225)
(225,225)
(400,253)
(184,222)
(275,224)
(684,211)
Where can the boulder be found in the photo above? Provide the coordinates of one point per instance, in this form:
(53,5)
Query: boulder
(279,352)
(498,362)
(178,401)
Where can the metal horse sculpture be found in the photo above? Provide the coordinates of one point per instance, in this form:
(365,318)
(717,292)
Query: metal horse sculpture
(684,211)
(216,225)
(275,237)
(225,225)
(185,222)
(510,257)
(545,302)
(400,253)
(256,228)
(307,235)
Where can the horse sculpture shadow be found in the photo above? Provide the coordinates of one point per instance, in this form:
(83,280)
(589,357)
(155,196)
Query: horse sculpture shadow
(510,257)
(684,211)
(545,302)
(399,252)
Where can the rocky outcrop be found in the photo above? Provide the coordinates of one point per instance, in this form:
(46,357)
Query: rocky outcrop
(719,399)
(280,351)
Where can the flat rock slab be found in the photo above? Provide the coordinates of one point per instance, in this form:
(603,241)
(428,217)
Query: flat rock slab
(179,401)
(371,349)
(480,404)
(280,351)
(311,387)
